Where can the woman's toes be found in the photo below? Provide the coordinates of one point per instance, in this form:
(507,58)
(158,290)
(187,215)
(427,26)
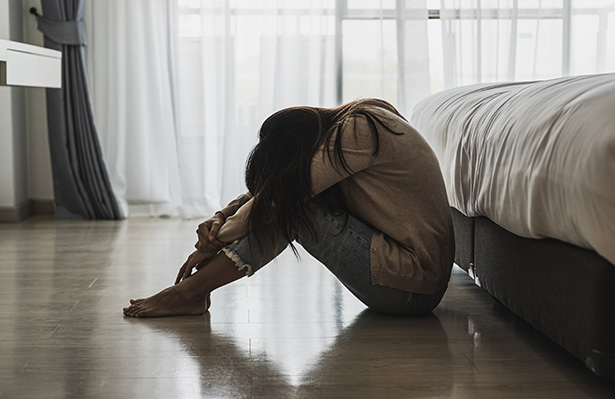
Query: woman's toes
(131,310)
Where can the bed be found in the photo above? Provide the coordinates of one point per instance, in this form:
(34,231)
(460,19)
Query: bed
(530,174)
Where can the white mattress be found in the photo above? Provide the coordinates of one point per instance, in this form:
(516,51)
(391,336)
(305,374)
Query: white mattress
(537,158)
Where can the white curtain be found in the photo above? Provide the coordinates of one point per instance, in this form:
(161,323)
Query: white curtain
(131,64)
(236,67)
(176,140)
(180,87)
(497,40)
(517,40)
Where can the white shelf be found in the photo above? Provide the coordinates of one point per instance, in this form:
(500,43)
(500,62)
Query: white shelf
(27,65)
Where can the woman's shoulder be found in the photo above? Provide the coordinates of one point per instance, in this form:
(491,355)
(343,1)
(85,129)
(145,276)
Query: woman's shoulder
(383,113)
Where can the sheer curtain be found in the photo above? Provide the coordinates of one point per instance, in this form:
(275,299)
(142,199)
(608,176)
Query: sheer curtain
(131,64)
(501,40)
(516,40)
(180,87)
(239,62)
(176,140)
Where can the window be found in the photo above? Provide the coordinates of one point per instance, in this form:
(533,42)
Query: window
(368,44)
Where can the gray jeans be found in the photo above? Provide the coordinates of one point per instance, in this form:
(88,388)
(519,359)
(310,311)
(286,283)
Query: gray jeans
(345,251)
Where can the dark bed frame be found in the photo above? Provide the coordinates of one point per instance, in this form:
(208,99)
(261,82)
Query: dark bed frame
(566,292)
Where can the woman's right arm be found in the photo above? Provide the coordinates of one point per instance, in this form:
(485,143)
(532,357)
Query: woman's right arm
(208,244)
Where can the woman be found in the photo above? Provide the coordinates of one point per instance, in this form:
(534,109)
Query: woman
(356,186)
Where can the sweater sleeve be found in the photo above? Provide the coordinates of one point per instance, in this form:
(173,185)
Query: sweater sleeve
(358,149)
(234,205)
(236,226)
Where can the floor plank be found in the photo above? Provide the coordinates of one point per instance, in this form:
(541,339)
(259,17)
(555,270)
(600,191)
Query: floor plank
(290,331)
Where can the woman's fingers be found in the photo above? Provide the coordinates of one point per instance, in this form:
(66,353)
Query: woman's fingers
(180,275)
(204,228)
(202,235)
(205,244)
(208,230)
(197,259)
(215,226)
(208,248)
(190,263)
(186,270)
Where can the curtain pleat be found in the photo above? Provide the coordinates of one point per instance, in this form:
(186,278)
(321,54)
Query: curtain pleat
(81,184)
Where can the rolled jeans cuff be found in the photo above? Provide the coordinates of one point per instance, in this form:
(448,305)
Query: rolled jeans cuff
(249,256)
(233,251)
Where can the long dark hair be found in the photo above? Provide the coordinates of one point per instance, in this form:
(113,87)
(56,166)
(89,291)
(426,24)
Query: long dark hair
(278,169)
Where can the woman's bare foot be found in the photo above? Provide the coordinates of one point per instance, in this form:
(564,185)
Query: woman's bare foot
(191,296)
(171,301)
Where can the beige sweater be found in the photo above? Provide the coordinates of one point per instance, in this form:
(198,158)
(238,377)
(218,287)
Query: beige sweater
(399,192)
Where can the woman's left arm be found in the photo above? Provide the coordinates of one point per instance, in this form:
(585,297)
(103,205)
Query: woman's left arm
(358,146)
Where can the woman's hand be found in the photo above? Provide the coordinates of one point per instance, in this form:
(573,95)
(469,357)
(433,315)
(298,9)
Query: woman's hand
(196,259)
(207,232)
(207,246)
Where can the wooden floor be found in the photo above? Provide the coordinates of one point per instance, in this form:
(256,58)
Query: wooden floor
(289,331)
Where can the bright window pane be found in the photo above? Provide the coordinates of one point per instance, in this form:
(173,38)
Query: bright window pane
(369,60)
(371,4)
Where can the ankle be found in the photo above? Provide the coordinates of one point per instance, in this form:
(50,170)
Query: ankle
(189,291)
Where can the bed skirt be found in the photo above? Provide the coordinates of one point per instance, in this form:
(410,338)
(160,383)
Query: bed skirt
(564,291)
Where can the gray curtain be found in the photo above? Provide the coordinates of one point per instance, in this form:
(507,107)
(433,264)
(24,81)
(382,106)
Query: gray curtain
(81,183)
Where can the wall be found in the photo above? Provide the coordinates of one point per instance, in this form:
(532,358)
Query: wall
(13,141)
(25,167)
(6,127)
(39,161)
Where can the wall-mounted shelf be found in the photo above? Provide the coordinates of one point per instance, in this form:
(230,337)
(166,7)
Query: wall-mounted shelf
(27,65)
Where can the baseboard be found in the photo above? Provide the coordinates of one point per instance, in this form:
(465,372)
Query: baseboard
(16,213)
(43,207)
(25,209)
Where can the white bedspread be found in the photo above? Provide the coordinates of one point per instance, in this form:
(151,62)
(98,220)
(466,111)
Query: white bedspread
(537,158)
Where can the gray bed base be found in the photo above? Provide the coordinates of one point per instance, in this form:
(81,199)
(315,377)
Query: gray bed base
(566,292)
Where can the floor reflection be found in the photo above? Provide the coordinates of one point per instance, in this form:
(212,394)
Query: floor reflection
(461,350)
(290,341)
(291,330)
(300,361)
